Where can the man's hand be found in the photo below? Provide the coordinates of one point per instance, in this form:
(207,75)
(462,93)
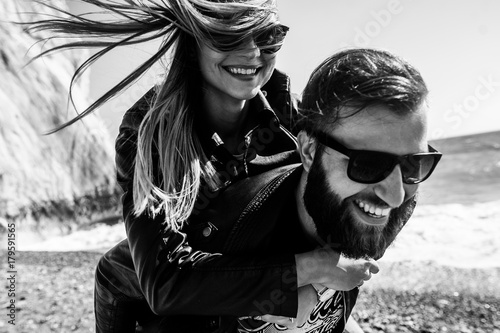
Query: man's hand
(329,268)
(352,273)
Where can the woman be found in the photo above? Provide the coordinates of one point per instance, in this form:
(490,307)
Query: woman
(222,113)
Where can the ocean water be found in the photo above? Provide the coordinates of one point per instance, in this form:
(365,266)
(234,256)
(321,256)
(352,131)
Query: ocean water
(452,234)
(468,173)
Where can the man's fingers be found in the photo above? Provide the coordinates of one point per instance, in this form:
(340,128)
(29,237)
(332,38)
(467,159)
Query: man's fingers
(283,321)
(373,267)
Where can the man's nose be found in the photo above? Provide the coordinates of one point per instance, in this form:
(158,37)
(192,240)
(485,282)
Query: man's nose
(391,189)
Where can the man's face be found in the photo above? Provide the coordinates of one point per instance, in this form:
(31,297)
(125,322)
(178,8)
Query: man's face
(364,219)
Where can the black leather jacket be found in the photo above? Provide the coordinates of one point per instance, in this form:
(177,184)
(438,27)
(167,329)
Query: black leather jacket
(255,226)
(163,267)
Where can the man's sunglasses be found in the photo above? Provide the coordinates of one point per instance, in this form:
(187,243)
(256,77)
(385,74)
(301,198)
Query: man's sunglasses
(269,41)
(370,167)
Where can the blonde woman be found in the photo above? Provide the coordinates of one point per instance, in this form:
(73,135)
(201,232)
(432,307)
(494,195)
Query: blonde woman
(222,113)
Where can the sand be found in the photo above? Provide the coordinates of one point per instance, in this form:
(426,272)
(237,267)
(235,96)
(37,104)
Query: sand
(441,275)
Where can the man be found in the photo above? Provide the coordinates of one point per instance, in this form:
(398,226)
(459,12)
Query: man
(364,151)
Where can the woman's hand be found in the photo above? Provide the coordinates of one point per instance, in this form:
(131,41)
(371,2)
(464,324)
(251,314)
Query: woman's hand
(308,299)
(329,268)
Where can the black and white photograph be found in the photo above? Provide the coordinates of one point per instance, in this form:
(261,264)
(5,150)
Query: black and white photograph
(250,166)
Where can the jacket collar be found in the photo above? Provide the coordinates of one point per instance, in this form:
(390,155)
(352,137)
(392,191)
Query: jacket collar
(279,82)
(210,140)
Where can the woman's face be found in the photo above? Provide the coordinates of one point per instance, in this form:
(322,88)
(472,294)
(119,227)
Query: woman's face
(236,75)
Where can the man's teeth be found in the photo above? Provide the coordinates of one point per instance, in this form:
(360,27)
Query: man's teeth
(377,211)
(242,71)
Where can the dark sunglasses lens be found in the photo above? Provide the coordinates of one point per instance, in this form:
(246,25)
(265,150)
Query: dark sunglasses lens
(416,168)
(224,43)
(370,167)
(271,40)
(268,41)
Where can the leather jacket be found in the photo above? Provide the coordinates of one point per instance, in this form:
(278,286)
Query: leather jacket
(164,267)
(256,226)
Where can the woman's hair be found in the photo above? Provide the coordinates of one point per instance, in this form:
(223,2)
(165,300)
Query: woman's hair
(168,127)
(357,79)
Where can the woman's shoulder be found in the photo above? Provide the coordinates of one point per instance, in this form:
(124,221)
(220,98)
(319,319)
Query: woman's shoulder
(278,82)
(143,105)
(284,102)
(135,114)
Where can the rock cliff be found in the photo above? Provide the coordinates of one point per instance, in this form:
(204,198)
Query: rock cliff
(65,177)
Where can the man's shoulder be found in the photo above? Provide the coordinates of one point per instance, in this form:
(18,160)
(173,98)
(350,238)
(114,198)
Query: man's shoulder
(249,194)
(251,209)
(269,181)
(269,196)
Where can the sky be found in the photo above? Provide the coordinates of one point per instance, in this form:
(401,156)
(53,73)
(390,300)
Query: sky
(454,44)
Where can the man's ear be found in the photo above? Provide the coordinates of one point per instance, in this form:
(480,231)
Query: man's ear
(307,149)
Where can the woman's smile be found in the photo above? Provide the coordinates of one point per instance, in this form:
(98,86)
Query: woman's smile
(238,74)
(242,70)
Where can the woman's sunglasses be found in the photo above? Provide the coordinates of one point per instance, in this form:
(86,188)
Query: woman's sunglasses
(269,41)
(370,167)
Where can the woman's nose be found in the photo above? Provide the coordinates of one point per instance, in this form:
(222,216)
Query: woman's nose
(250,49)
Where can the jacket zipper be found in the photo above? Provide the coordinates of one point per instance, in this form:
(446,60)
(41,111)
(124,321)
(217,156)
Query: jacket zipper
(248,141)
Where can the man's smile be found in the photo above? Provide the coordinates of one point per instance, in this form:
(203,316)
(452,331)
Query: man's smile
(371,213)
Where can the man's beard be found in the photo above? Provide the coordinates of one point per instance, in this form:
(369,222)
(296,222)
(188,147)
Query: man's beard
(336,225)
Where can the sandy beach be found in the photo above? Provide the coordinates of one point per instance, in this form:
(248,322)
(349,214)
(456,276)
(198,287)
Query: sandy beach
(441,275)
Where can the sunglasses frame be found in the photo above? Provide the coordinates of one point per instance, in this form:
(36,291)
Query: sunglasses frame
(332,143)
(277,46)
(266,49)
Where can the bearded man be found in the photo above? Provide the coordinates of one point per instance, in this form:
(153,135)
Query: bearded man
(364,153)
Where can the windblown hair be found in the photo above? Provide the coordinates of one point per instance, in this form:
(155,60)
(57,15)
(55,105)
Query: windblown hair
(357,79)
(168,127)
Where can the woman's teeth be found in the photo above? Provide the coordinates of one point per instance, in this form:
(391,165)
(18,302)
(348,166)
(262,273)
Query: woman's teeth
(242,71)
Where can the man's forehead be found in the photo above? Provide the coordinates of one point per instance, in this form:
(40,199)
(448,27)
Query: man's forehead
(381,129)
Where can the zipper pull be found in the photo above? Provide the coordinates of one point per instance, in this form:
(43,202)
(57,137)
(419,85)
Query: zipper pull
(223,155)
(248,140)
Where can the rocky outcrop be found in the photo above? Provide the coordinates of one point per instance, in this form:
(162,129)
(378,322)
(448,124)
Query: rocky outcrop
(66,176)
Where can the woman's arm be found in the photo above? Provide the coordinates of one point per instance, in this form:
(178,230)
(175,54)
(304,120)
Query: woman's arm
(176,279)
(186,281)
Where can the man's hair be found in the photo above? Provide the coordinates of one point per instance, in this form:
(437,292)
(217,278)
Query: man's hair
(356,79)
(168,127)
